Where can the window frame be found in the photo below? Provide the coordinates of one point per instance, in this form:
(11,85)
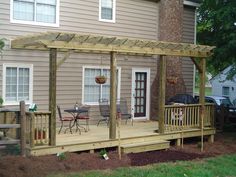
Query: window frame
(17,65)
(56,24)
(99,67)
(113,12)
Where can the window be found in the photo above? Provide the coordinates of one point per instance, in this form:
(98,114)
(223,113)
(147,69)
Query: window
(36,12)
(17,83)
(107,9)
(225,91)
(93,91)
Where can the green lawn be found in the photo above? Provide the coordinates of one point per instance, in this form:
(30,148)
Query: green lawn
(222,166)
(207,91)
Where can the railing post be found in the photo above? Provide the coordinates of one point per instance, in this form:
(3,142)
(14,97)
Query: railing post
(161,94)
(112,128)
(50,139)
(202,97)
(52,95)
(22,127)
(32,128)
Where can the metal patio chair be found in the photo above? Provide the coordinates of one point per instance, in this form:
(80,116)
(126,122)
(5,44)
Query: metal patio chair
(84,116)
(64,119)
(104,111)
(123,108)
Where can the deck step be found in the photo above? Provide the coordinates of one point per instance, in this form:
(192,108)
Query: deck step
(145,146)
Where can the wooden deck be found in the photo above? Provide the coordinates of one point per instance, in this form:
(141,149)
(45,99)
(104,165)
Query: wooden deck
(98,137)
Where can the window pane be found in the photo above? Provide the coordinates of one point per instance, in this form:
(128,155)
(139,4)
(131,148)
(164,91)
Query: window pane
(91,89)
(46,13)
(11,84)
(106,9)
(106,91)
(52,2)
(23,84)
(107,3)
(106,13)
(23,10)
(225,91)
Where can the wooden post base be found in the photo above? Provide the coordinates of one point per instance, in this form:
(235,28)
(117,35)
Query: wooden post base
(91,151)
(178,142)
(211,138)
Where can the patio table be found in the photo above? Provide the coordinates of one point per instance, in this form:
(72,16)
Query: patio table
(75,113)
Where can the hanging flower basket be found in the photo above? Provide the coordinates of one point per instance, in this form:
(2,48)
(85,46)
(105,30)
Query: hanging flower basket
(172,80)
(100,79)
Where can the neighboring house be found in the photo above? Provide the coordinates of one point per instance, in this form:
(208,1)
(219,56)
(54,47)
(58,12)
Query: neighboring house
(223,87)
(25,73)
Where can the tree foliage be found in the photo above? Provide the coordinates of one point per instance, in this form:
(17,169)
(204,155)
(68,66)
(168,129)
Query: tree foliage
(216,26)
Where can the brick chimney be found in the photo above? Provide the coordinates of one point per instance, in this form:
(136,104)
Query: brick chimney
(170,29)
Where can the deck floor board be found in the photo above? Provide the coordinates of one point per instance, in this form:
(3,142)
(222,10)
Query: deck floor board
(101,133)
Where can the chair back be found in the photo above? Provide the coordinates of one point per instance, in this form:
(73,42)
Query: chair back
(104,107)
(85,114)
(59,112)
(123,106)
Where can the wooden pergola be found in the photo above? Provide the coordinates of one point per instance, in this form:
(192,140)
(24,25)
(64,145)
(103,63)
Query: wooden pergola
(67,42)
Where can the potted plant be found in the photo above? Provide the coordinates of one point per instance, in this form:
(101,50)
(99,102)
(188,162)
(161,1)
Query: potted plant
(103,154)
(100,79)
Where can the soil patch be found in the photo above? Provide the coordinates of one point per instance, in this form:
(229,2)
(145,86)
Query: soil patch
(16,166)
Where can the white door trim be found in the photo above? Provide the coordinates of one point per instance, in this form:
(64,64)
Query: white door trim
(146,70)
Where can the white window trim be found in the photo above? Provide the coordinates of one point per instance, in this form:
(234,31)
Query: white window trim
(30,66)
(12,20)
(99,67)
(113,12)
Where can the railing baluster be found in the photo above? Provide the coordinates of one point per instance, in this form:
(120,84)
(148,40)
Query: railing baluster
(178,117)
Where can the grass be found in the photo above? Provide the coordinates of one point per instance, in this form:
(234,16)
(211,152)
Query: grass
(207,91)
(221,166)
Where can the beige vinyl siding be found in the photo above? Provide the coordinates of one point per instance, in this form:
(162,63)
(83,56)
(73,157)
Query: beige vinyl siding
(188,37)
(134,18)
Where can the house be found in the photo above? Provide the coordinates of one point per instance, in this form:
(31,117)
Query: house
(134,19)
(221,86)
(116,38)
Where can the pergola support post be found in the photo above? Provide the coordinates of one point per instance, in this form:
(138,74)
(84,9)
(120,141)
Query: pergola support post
(161,94)
(202,97)
(52,95)
(113,65)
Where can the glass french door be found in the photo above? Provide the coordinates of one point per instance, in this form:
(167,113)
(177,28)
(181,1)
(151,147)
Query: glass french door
(140,94)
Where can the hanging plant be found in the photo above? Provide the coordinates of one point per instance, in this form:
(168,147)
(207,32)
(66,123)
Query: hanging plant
(100,79)
(172,79)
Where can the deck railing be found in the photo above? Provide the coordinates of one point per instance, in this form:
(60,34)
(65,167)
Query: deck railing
(179,117)
(37,128)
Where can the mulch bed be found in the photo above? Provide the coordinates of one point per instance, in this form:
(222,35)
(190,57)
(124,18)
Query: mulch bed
(16,166)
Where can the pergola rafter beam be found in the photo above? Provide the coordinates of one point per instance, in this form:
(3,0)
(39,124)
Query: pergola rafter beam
(68,41)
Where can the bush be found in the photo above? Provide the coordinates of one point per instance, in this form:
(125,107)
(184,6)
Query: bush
(13,149)
(229,128)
